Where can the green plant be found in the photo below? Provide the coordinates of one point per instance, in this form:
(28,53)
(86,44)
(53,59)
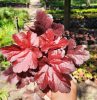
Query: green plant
(15,1)
(92,10)
(82,74)
(7,23)
(3,94)
(87,70)
(4,65)
(53,3)
(5,35)
(75,13)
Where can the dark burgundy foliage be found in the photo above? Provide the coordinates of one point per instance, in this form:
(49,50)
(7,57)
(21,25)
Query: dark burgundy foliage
(20,79)
(47,59)
(44,22)
(82,37)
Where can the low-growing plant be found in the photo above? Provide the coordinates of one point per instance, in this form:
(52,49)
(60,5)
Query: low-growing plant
(6,35)
(44,56)
(75,13)
(15,1)
(53,4)
(82,37)
(4,65)
(3,94)
(8,24)
(92,10)
(81,74)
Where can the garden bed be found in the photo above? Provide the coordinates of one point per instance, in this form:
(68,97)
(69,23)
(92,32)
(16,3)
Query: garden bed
(3,4)
(86,18)
(8,23)
(81,15)
(14,3)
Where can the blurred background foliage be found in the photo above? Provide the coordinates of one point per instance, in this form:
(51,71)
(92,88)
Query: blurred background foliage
(8,23)
(3,94)
(15,1)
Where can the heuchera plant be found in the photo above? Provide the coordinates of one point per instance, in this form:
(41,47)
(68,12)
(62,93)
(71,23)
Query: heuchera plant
(44,56)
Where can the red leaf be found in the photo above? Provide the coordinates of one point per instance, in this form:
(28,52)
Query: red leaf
(58,29)
(44,22)
(26,40)
(54,71)
(11,76)
(20,79)
(59,62)
(21,39)
(10,51)
(44,19)
(28,61)
(56,82)
(23,55)
(56,56)
(78,55)
(49,42)
(71,44)
(66,67)
(33,39)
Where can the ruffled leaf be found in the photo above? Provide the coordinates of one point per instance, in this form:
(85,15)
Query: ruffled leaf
(58,29)
(20,79)
(23,56)
(10,51)
(79,55)
(26,40)
(43,22)
(59,62)
(56,82)
(28,61)
(49,42)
